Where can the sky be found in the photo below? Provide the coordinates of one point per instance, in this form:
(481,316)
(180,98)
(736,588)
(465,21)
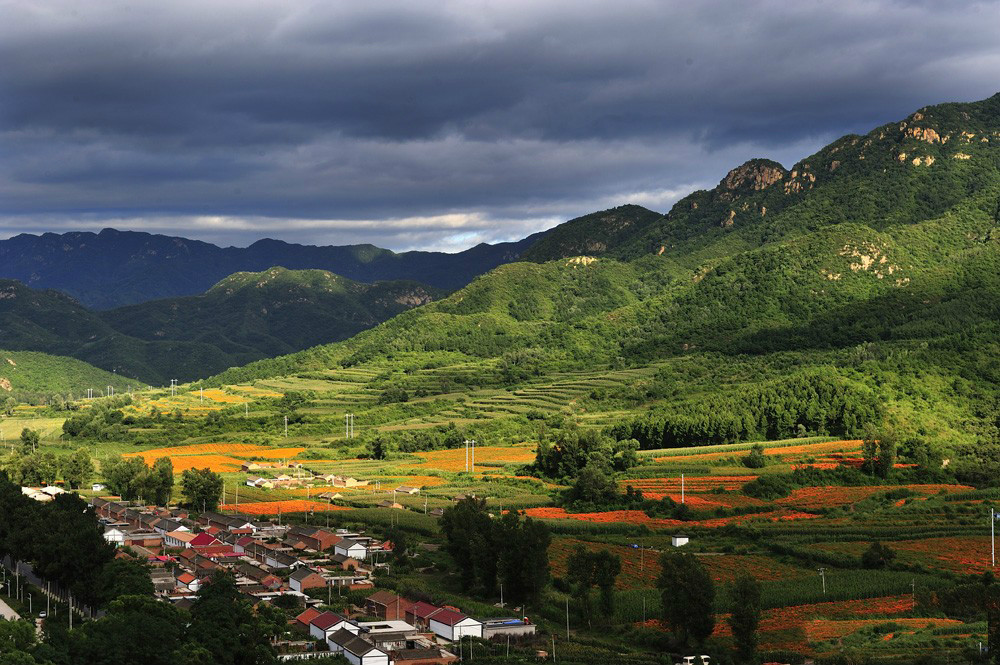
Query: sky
(439,125)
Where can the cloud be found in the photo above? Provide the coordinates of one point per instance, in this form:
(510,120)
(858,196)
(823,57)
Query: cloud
(273,119)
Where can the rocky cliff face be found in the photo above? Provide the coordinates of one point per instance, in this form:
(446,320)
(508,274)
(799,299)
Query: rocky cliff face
(756,174)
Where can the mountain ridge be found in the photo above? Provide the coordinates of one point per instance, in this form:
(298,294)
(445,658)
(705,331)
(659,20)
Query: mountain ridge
(113,268)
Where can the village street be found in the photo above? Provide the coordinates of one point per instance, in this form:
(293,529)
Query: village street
(8,613)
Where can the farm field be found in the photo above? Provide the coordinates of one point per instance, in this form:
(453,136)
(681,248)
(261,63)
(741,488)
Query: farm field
(935,529)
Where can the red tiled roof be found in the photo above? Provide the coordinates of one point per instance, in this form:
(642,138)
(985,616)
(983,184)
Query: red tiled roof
(307,616)
(448,617)
(423,610)
(185,578)
(326,620)
(203,539)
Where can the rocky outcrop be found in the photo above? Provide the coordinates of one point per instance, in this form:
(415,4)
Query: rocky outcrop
(757,174)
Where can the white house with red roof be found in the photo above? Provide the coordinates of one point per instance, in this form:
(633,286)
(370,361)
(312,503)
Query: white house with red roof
(452,625)
(327,623)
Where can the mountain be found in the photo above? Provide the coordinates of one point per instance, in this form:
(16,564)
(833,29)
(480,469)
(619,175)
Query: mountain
(28,376)
(272,312)
(872,267)
(114,268)
(244,317)
(592,235)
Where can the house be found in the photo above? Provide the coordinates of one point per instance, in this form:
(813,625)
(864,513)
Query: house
(452,625)
(302,620)
(306,578)
(406,489)
(437,512)
(163,580)
(203,539)
(314,539)
(387,605)
(419,614)
(322,625)
(345,562)
(148,539)
(357,650)
(679,540)
(114,535)
(188,581)
(513,627)
(351,548)
(178,539)
(390,504)
(97,487)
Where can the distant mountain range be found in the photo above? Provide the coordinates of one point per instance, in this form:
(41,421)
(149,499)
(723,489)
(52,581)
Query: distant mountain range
(245,317)
(114,268)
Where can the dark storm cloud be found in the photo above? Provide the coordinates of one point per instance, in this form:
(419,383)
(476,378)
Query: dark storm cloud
(441,124)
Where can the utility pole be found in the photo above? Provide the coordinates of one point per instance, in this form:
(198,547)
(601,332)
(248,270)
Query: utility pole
(822,575)
(682,488)
(466,455)
(201,393)
(993,537)
(913,594)
(567,618)
(246,409)
(173,387)
(286,427)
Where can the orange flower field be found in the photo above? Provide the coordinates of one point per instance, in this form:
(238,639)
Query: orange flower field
(281,507)
(691,483)
(817,498)
(178,454)
(639,517)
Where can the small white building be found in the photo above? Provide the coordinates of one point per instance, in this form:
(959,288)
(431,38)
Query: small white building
(351,548)
(98,487)
(454,626)
(679,540)
(114,535)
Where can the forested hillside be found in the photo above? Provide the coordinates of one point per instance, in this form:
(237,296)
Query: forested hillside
(26,376)
(245,317)
(872,264)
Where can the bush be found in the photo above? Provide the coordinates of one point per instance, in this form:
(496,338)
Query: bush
(768,488)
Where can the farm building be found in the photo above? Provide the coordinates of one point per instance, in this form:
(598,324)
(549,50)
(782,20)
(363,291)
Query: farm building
(452,625)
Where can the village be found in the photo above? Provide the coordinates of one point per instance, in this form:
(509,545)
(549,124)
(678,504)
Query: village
(297,566)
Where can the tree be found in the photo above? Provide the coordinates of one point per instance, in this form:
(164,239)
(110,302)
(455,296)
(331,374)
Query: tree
(224,623)
(162,477)
(878,555)
(509,550)
(687,594)
(122,475)
(378,448)
(580,576)
(869,448)
(77,468)
(29,441)
(137,630)
(886,451)
(593,487)
(756,459)
(124,577)
(607,567)
(202,487)
(745,594)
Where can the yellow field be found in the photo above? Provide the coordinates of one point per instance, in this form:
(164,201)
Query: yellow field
(454,460)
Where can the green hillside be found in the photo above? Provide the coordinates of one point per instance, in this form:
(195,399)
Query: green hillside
(28,376)
(243,318)
(871,265)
